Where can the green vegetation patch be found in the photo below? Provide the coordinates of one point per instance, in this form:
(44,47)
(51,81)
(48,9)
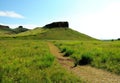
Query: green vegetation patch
(30,61)
(6,32)
(51,34)
(100,54)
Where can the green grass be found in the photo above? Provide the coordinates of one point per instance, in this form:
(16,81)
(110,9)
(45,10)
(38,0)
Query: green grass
(52,34)
(32,32)
(100,54)
(63,34)
(6,32)
(23,61)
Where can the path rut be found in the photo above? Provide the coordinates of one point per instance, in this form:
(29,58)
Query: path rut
(87,73)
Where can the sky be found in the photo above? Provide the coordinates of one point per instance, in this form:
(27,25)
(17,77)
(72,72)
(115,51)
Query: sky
(97,18)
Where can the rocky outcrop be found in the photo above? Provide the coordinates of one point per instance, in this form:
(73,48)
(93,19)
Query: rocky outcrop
(4,27)
(57,25)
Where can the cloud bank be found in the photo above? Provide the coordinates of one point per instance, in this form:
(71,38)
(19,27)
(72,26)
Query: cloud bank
(11,14)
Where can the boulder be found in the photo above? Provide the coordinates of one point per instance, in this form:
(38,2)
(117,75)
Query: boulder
(57,25)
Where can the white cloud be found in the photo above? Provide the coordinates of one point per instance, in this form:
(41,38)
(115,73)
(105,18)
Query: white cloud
(11,14)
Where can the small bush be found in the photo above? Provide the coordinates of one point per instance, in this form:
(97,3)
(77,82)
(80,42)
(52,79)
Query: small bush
(68,53)
(85,59)
(63,50)
(76,61)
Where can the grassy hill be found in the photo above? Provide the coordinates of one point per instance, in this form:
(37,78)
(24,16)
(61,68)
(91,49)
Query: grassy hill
(5,32)
(53,34)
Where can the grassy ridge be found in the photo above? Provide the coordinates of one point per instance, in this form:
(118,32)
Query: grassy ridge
(23,61)
(52,34)
(33,32)
(6,32)
(64,34)
(100,54)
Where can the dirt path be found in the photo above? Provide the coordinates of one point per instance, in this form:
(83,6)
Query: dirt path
(87,73)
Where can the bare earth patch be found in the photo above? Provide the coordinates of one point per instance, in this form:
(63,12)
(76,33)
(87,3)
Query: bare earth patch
(87,73)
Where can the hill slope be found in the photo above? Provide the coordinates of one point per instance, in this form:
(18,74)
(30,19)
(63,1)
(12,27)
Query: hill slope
(54,34)
(5,32)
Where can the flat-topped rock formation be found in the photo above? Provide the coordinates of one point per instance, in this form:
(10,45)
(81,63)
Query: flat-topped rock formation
(57,25)
(4,27)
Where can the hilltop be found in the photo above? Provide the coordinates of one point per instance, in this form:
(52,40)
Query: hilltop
(57,25)
(52,31)
(6,31)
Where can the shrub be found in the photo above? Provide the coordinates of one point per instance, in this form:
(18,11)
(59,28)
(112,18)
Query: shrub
(118,38)
(63,50)
(85,59)
(76,60)
(68,53)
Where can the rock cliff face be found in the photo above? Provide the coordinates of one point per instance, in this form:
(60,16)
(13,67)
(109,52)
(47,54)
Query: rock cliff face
(4,27)
(57,25)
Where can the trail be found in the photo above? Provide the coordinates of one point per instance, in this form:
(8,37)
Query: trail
(87,73)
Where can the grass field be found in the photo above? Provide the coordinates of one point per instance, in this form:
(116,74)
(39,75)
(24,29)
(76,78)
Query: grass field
(100,54)
(26,57)
(23,61)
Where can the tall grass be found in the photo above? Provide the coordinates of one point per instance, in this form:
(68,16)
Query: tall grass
(100,54)
(30,61)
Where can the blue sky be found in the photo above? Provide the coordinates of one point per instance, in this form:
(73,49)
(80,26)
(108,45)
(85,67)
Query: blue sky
(97,18)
